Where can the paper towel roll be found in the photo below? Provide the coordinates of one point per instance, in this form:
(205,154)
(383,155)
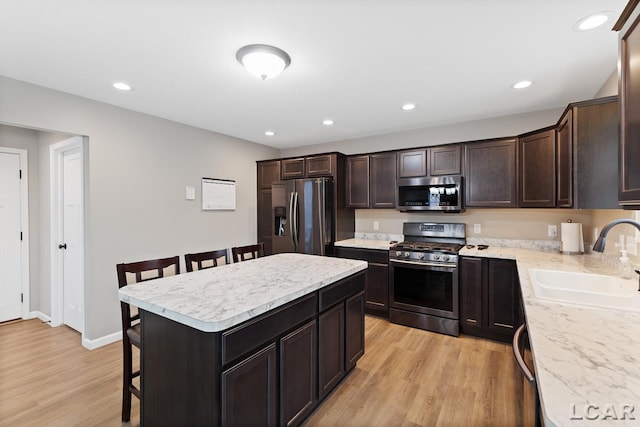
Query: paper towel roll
(572,240)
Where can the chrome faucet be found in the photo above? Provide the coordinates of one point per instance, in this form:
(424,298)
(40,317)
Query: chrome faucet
(602,238)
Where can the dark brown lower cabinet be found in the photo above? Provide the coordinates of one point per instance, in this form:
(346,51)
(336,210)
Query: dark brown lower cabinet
(489,298)
(249,392)
(271,370)
(298,374)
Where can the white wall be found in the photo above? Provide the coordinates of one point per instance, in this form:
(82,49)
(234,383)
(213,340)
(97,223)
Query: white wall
(138,168)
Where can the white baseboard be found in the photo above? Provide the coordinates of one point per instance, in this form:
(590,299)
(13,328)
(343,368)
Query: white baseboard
(41,316)
(99,342)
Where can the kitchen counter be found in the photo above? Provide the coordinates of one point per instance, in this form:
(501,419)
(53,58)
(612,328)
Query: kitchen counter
(215,299)
(382,245)
(586,360)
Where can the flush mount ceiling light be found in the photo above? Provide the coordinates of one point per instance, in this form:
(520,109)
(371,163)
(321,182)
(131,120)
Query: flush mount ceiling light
(521,85)
(270,133)
(327,122)
(262,60)
(408,107)
(592,21)
(121,86)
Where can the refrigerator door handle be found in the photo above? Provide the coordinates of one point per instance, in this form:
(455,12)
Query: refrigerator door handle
(295,219)
(321,201)
(291,229)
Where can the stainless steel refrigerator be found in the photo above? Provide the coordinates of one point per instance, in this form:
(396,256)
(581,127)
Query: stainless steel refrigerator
(302,215)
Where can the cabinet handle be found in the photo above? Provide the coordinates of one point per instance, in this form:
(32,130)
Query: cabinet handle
(503,325)
(471,321)
(518,351)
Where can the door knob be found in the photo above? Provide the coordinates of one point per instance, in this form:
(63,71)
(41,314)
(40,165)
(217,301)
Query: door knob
(62,246)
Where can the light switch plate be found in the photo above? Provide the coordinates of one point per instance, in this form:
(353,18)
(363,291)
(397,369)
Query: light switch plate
(190,193)
(376,225)
(552,230)
(477,228)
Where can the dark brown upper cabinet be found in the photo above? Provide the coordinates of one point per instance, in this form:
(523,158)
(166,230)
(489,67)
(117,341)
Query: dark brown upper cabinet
(491,173)
(268,172)
(564,161)
(371,181)
(537,178)
(628,170)
(293,168)
(382,180)
(594,140)
(433,161)
(322,165)
(445,160)
(358,181)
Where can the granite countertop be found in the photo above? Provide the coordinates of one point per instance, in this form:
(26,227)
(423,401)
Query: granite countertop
(586,360)
(218,298)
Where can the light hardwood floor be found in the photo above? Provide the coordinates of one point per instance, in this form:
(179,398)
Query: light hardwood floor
(407,377)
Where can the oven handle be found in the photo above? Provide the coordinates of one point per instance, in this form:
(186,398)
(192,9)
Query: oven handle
(424,264)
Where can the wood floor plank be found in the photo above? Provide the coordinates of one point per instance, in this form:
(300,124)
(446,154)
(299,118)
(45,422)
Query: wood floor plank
(407,377)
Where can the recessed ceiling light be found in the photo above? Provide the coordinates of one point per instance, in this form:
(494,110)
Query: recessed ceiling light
(270,133)
(521,85)
(121,86)
(407,107)
(327,122)
(592,21)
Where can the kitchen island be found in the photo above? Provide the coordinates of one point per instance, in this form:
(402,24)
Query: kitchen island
(586,359)
(260,342)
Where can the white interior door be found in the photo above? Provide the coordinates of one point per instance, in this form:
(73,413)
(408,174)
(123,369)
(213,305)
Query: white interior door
(10,243)
(72,245)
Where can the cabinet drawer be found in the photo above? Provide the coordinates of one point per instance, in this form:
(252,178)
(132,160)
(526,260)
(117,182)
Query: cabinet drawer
(341,290)
(248,336)
(370,255)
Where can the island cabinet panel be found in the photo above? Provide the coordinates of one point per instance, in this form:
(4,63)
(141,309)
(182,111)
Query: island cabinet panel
(298,374)
(538,169)
(331,366)
(629,172)
(383,180)
(249,391)
(489,298)
(271,370)
(491,173)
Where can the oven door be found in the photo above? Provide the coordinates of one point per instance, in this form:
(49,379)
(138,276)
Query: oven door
(423,288)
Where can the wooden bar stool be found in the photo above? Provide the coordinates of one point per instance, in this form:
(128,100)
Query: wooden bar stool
(243,253)
(154,269)
(200,258)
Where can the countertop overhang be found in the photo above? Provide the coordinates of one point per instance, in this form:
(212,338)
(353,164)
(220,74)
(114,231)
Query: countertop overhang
(586,360)
(216,299)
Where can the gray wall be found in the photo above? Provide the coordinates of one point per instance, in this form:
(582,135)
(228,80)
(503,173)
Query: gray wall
(138,168)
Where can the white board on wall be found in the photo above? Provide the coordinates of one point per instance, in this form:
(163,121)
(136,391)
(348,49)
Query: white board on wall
(218,194)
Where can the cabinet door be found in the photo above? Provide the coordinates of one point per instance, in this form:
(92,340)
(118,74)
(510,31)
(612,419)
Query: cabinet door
(324,165)
(377,287)
(564,169)
(629,172)
(249,392)
(265,225)
(354,330)
(268,172)
(293,168)
(298,374)
(445,160)
(490,172)
(412,163)
(472,283)
(503,296)
(358,182)
(383,180)
(331,349)
(538,169)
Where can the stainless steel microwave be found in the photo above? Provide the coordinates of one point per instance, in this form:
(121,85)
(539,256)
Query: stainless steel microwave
(443,193)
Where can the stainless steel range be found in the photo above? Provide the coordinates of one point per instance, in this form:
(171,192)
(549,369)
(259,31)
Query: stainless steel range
(423,277)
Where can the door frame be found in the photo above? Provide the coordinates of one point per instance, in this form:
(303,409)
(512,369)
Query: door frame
(56,153)
(25,283)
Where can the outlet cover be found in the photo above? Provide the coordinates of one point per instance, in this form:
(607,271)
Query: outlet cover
(477,228)
(190,193)
(376,225)
(552,230)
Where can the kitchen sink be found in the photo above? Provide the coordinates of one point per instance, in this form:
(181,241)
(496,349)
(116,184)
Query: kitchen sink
(594,290)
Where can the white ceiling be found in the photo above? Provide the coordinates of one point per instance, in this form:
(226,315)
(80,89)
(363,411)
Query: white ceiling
(354,61)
